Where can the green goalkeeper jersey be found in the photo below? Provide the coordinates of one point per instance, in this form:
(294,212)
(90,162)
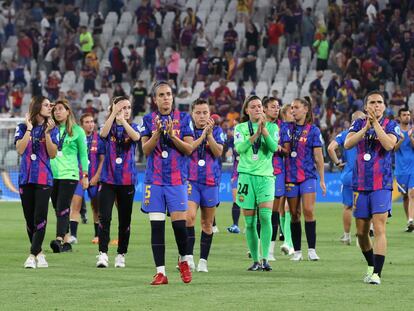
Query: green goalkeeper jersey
(256,162)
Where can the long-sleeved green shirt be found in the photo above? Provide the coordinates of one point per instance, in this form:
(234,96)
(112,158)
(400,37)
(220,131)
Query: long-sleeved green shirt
(263,166)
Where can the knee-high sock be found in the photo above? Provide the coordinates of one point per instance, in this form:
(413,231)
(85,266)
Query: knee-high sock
(265,215)
(310,230)
(235,213)
(190,240)
(158,242)
(275,224)
(205,244)
(180,233)
(296,235)
(252,237)
(378,263)
(74,228)
(286,230)
(282,223)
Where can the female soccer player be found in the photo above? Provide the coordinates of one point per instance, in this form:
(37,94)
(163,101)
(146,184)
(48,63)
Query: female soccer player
(256,141)
(167,142)
(375,138)
(118,178)
(65,168)
(96,155)
(204,180)
(36,141)
(304,159)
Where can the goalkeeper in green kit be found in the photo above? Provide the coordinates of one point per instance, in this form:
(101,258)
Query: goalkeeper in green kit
(255,141)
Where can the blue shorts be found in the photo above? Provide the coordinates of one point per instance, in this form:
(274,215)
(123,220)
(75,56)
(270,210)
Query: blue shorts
(234,182)
(92,191)
(367,203)
(203,195)
(296,190)
(405,183)
(280,187)
(79,191)
(163,199)
(347,196)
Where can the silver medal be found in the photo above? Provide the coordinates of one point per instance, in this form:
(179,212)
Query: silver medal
(33,157)
(201,162)
(164,154)
(59,153)
(238,158)
(367,157)
(293,154)
(255,157)
(118,160)
(89,162)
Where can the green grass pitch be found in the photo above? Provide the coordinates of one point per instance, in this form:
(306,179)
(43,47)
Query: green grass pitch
(73,283)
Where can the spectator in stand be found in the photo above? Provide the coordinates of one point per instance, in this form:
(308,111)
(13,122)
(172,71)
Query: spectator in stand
(176,27)
(215,64)
(334,16)
(93,58)
(50,41)
(322,51)
(150,52)
(371,11)
(91,109)
(25,48)
(398,100)
(53,85)
(119,91)
(107,80)
(407,45)
(332,90)
(243,9)
(289,22)
(308,28)
(294,52)
(98,23)
(409,75)
(72,55)
(91,7)
(186,39)
(134,62)
(18,74)
(174,65)
(230,38)
(201,68)
(249,65)
(17,101)
(207,94)
(117,62)
(4,98)
(36,37)
(52,60)
(316,85)
(4,73)
(201,42)
(240,95)
(223,103)
(139,98)
(161,70)
(89,74)
(222,88)
(192,20)
(233,115)
(36,85)
(274,31)
(85,40)
(143,13)
(251,35)
(185,90)
(397,61)
(231,65)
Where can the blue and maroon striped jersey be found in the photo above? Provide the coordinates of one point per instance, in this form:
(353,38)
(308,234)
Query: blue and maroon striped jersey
(278,163)
(373,172)
(96,147)
(172,170)
(210,173)
(118,145)
(35,162)
(302,139)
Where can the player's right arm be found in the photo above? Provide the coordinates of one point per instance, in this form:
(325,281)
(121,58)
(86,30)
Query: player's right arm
(356,133)
(150,140)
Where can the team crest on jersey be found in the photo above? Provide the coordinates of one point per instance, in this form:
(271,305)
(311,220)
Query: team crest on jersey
(241,198)
(397,130)
(237,137)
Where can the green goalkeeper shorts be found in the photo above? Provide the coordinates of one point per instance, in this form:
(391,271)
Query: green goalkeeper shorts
(253,190)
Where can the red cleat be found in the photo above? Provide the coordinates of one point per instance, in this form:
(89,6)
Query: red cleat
(185,271)
(159,279)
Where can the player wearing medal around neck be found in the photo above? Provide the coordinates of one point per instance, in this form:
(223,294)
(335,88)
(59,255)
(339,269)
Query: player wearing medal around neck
(203,180)
(375,138)
(302,141)
(65,167)
(167,139)
(36,141)
(256,140)
(404,166)
(96,155)
(118,178)
(346,165)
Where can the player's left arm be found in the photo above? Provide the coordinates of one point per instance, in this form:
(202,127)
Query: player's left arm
(94,180)
(215,147)
(185,146)
(317,153)
(387,140)
(133,133)
(271,137)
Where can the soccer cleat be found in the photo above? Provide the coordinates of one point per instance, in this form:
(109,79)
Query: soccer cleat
(271,256)
(297,256)
(266,266)
(56,245)
(312,256)
(41,261)
(66,247)
(73,240)
(410,227)
(281,237)
(284,248)
(256,266)
(190,261)
(185,271)
(202,265)
(375,279)
(233,229)
(368,274)
(291,251)
(159,279)
(103,261)
(120,261)
(95,240)
(216,229)
(346,239)
(30,262)
(84,219)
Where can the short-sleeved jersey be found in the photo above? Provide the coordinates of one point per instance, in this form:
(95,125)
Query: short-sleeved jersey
(210,173)
(96,148)
(404,157)
(348,157)
(302,167)
(173,170)
(118,144)
(278,163)
(263,166)
(37,171)
(375,174)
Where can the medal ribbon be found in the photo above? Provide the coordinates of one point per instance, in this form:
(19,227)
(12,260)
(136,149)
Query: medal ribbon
(165,141)
(201,149)
(36,136)
(296,137)
(370,137)
(61,140)
(257,142)
(119,140)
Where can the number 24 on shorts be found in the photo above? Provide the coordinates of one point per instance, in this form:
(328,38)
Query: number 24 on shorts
(243,189)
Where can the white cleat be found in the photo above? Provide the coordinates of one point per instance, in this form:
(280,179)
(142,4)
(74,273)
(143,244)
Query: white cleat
(120,261)
(216,229)
(41,261)
(190,261)
(103,261)
(297,256)
(312,256)
(375,279)
(271,257)
(284,248)
(346,239)
(73,240)
(368,274)
(30,262)
(202,265)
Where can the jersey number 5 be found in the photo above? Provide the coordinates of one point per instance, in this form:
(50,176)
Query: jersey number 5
(147,191)
(243,189)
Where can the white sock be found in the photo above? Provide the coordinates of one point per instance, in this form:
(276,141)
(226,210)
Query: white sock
(183,258)
(347,235)
(161,269)
(410,220)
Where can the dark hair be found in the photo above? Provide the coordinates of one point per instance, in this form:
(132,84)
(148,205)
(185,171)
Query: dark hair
(244,116)
(84,116)
(116,100)
(267,99)
(155,87)
(307,102)
(405,109)
(197,102)
(376,92)
(35,107)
